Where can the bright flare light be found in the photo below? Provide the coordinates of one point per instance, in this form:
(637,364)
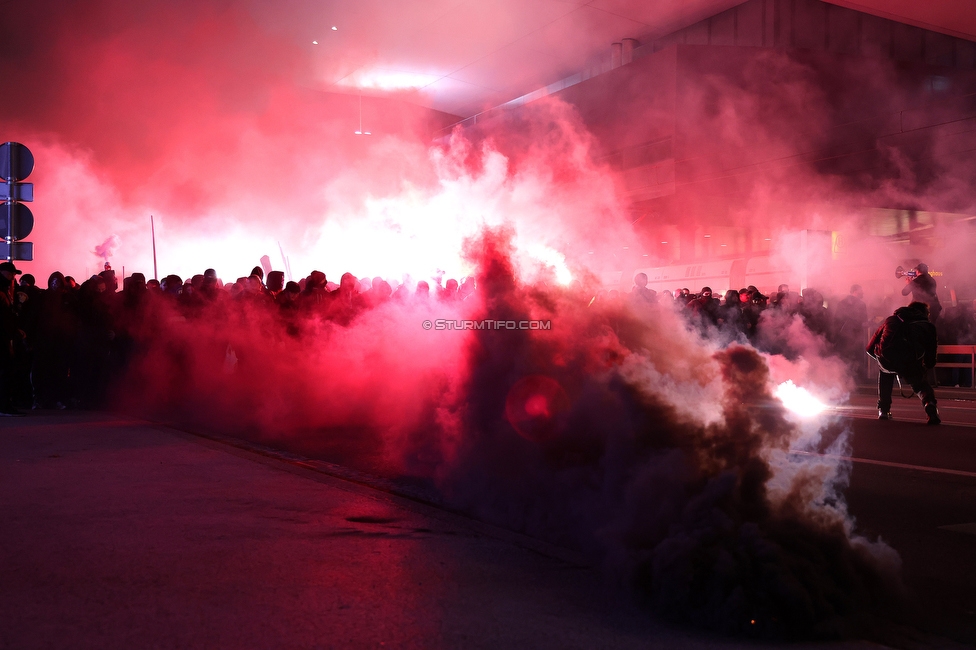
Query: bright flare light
(554,259)
(385,79)
(799,400)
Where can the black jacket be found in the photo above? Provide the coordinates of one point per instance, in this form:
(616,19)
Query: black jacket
(906,343)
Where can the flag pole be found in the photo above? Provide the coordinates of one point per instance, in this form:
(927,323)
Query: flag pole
(152,225)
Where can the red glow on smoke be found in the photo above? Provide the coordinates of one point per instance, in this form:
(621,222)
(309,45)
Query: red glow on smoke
(643,439)
(533,405)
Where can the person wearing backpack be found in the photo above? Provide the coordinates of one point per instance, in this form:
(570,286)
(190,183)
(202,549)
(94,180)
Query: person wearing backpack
(906,345)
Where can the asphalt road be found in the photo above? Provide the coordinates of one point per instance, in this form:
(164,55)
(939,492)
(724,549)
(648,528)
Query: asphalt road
(914,486)
(119,534)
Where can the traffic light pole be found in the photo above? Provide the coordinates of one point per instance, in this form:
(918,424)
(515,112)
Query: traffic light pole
(16,163)
(8,204)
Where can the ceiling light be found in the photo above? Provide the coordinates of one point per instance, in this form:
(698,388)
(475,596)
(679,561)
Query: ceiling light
(334,28)
(315,42)
(707,236)
(384,79)
(664,242)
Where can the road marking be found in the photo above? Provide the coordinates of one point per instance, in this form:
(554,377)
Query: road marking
(967,529)
(900,415)
(884,463)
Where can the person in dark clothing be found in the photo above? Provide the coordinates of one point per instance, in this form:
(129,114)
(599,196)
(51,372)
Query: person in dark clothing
(448,293)
(850,329)
(785,300)
(53,338)
(29,287)
(276,283)
(315,297)
(93,347)
(641,298)
(10,337)
(924,289)
(171,286)
(347,303)
(811,309)
(906,345)
(704,309)
(730,318)
(27,298)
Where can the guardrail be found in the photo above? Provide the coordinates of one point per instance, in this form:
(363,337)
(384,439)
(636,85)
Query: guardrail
(963,358)
(968,351)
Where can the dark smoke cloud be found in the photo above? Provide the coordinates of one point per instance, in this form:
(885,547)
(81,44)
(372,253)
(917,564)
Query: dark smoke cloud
(657,453)
(641,443)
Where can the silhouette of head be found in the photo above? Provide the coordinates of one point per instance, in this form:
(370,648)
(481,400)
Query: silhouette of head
(55,281)
(111,283)
(137,282)
(276,281)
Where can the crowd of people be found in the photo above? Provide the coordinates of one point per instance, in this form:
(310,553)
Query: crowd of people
(904,345)
(60,346)
(842,322)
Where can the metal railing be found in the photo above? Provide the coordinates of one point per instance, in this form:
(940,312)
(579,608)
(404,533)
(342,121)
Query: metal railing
(969,363)
(958,351)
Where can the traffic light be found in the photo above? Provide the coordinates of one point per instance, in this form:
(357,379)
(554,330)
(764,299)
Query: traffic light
(16,219)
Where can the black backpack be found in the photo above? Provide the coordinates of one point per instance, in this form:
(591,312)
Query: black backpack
(903,350)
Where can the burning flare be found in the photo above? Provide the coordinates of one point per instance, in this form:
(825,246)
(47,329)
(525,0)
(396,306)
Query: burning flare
(799,400)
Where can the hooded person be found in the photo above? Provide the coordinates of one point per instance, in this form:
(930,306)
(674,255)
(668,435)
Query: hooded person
(640,296)
(10,334)
(906,345)
(924,288)
(276,283)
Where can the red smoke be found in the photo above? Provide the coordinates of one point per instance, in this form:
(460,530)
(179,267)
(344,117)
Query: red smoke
(627,437)
(106,249)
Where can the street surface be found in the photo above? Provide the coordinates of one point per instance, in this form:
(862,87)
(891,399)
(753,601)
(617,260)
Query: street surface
(121,534)
(915,486)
